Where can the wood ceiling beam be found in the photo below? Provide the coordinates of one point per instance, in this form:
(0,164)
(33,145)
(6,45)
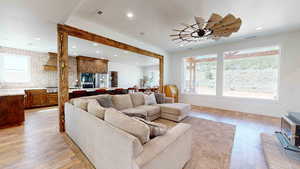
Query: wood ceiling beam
(72,31)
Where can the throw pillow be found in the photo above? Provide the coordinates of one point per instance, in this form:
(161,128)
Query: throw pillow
(156,129)
(105,101)
(128,124)
(95,108)
(81,103)
(150,99)
(159,98)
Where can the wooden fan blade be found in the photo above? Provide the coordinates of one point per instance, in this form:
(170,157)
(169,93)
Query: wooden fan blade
(200,22)
(176,39)
(236,24)
(224,33)
(177,30)
(227,20)
(214,18)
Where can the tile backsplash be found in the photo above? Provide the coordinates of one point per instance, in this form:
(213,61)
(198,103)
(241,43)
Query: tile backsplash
(39,77)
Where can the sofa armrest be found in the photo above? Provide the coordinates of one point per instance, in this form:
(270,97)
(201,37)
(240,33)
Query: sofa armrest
(181,134)
(169,100)
(101,142)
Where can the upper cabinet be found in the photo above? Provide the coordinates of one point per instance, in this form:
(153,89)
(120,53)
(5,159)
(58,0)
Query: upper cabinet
(51,64)
(91,65)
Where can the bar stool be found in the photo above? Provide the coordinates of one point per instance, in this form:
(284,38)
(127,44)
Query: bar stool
(101,91)
(79,93)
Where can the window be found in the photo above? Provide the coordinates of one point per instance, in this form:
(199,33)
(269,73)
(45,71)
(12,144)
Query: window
(251,73)
(14,68)
(200,74)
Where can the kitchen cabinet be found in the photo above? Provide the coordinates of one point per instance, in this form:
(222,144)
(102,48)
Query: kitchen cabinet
(40,98)
(91,65)
(52,99)
(11,110)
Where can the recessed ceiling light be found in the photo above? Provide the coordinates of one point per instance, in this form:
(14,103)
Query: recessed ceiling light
(37,38)
(95,44)
(97,51)
(130,15)
(74,47)
(259,28)
(115,55)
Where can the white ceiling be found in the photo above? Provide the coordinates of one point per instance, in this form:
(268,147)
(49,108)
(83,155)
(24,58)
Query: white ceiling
(22,21)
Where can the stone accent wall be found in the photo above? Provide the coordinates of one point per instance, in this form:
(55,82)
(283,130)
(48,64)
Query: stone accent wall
(39,77)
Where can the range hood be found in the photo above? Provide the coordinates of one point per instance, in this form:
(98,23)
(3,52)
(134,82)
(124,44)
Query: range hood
(51,64)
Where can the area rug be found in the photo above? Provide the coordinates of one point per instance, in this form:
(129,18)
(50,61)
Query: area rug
(276,156)
(212,143)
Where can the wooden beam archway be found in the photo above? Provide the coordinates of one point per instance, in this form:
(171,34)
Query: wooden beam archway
(63,31)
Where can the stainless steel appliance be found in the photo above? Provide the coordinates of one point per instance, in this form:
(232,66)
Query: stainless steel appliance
(87,80)
(290,128)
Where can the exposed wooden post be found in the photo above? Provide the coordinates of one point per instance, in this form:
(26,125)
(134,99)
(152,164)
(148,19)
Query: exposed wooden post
(63,75)
(161,74)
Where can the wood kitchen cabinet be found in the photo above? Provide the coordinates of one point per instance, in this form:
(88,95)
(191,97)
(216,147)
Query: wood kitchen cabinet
(40,98)
(11,110)
(52,99)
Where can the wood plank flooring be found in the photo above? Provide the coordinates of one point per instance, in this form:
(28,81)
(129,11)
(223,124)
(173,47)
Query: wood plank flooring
(38,145)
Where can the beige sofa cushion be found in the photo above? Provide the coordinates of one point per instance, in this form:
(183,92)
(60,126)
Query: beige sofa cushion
(94,108)
(81,103)
(150,109)
(176,109)
(134,112)
(128,124)
(121,102)
(137,99)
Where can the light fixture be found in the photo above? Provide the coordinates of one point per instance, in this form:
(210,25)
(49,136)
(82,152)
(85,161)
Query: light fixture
(95,44)
(74,47)
(259,28)
(129,14)
(115,55)
(97,51)
(37,38)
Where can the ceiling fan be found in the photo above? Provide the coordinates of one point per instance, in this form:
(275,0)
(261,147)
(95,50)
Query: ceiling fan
(215,28)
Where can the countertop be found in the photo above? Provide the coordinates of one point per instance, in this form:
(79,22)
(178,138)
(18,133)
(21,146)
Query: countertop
(11,92)
(15,92)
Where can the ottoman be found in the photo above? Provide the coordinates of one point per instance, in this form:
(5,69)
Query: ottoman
(174,111)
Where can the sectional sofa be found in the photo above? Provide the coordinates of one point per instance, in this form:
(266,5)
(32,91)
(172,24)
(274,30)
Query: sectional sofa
(109,147)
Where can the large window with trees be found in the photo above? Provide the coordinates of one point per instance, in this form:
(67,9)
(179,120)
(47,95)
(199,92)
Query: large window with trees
(251,73)
(201,74)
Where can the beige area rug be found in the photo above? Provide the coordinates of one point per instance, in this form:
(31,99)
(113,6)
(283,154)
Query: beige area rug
(212,143)
(276,156)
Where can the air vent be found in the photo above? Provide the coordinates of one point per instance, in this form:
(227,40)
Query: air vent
(250,37)
(99,12)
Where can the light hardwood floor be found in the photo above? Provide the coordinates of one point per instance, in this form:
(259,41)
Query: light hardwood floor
(38,145)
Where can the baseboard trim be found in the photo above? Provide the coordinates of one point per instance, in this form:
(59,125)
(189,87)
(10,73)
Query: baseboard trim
(232,112)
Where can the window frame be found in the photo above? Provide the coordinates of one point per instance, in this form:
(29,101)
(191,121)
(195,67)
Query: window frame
(220,75)
(254,98)
(3,69)
(184,75)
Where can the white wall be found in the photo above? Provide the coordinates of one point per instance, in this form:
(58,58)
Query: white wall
(289,83)
(128,75)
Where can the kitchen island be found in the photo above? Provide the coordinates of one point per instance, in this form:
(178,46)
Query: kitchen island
(11,108)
